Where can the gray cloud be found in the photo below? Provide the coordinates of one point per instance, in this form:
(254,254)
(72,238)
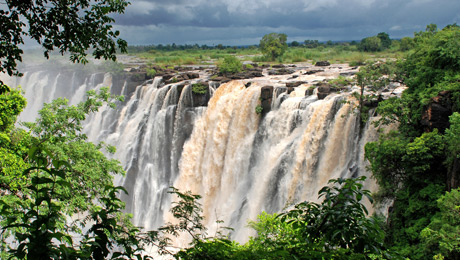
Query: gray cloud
(246,21)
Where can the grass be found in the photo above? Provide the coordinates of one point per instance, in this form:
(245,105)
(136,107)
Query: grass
(334,54)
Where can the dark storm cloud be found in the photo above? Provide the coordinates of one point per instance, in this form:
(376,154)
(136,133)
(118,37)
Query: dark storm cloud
(245,21)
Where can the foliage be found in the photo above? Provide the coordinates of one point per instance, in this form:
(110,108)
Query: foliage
(385,40)
(13,142)
(406,44)
(340,82)
(442,233)
(451,138)
(151,72)
(371,44)
(413,166)
(230,65)
(395,162)
(339,53)
(67,26)
(372,78)
(44,204)
(340,221)
(434,60)
(259,109)
(379,42)
(199,88)
(335,229)
(11,105)
(273,45)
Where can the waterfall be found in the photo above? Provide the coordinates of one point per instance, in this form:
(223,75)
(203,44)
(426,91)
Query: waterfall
(239,161)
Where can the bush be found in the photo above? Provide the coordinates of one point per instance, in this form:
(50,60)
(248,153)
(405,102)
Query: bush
(231,65)
(199,88)
(151,72)
(259,109)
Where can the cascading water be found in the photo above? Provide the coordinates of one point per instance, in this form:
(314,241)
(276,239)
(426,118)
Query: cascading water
(240,162)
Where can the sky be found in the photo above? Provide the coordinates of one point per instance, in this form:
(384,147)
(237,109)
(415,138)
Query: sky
(245,22)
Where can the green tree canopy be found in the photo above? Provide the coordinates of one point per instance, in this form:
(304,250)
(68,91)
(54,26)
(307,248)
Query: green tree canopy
(417,164)
(385,40)
(273,45)
(370,44)
(68,26)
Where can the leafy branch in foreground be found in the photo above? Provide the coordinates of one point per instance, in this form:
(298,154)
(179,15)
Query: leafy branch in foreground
(60,203)
(69,26)
(338,228)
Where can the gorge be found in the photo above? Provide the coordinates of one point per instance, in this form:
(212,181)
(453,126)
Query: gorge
(216,144)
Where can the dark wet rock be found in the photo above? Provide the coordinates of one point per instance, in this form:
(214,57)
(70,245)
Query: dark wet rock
(282,71)
(323,63)
(192,75)
(247,74)
(200,99)
(266,95)
(322,95)
(324,89)
(309,91)
(221,79)
(436,113)
(348,74)
(295,84)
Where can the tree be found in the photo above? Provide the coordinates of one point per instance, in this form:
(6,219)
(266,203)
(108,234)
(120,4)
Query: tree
(417,164)
(295,44)
(340,221)
(370,44)
(68,26)
(374,78)
(442,232)
(273,45)
(385,40)
(61,177)
(337,228)
(53,183)
(407,43)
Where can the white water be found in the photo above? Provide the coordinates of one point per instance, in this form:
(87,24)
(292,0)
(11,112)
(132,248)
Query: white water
(240,163)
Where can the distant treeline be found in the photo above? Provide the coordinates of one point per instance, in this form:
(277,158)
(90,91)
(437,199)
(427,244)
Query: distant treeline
(379,42)
(175,47)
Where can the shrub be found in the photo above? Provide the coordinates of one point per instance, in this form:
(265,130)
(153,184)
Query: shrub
(259,109)
(249,66)
(151,72)
(199,88)
(230,64)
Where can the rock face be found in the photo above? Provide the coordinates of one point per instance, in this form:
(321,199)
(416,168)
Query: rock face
(181,77)
(266,94)
(324,89)
(323,63)
(436,114)
(199,98)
